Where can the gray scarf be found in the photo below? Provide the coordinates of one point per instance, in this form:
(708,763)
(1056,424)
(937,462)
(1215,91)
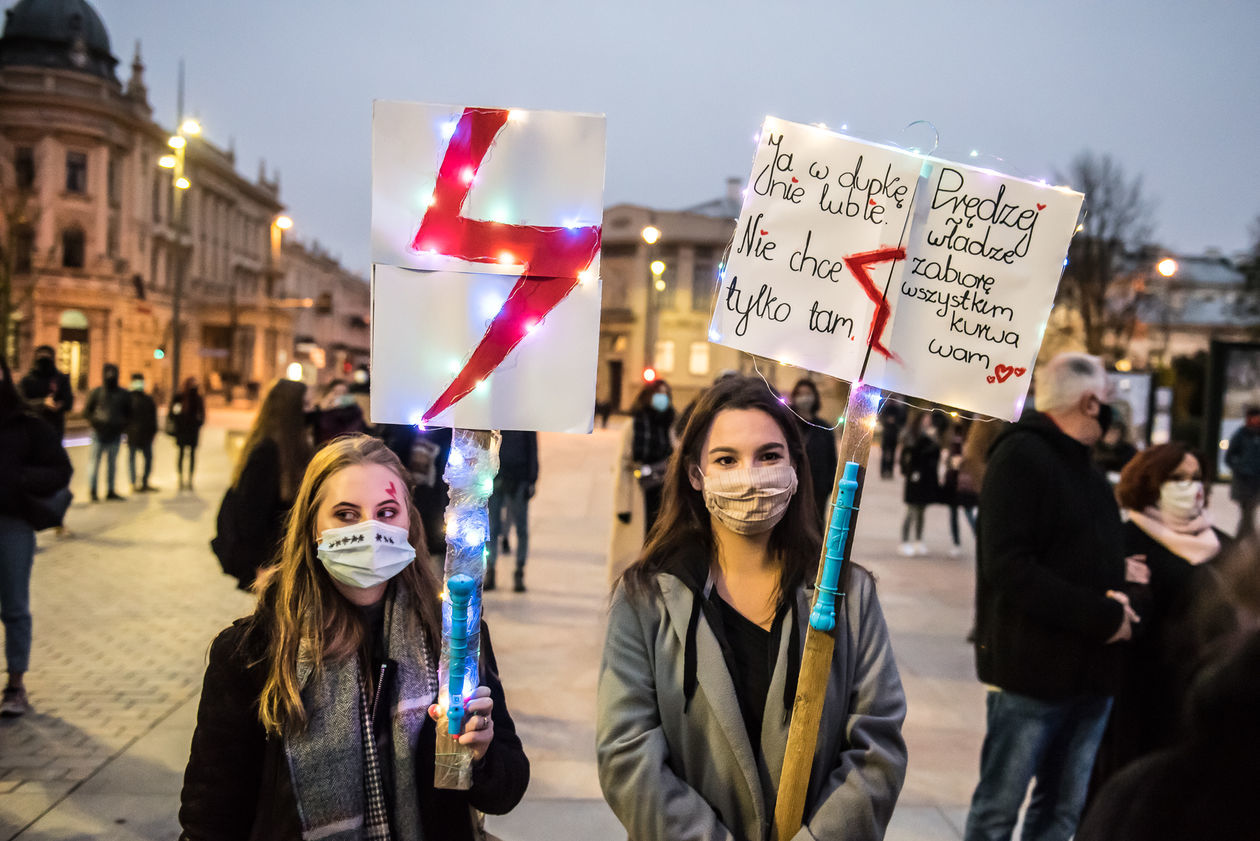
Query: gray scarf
(326,760)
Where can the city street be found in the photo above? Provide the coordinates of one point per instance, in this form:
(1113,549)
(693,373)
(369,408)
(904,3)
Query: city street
(126,605)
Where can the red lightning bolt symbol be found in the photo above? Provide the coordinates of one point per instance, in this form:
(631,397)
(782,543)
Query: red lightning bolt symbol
(857,264)
(553,257)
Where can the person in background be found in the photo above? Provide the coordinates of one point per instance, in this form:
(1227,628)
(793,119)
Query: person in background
(424,454)
(960,491)
(32,462)
(1243,459)
(702,654)
(312,721)
(189,413)
(48,390)
(1115,450)
(141,430)
(892,417)
(920,464)
(1162,495)
(652,415)
(108,410)
(1050,607)
(264,483)
(513,489)
(338,413)
(820,442)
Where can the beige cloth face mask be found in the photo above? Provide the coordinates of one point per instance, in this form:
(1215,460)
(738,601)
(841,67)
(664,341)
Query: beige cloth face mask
(750,500)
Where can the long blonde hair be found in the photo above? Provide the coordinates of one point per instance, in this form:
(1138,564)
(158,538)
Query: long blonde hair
(297,602)
(281,419)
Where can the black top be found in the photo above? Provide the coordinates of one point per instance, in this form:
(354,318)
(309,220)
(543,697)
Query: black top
(32,462)
(820,452)
(142,427)
(751,662)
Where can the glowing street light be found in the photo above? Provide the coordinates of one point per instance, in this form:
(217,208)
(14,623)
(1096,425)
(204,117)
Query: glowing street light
(284,223)
(190,127)
(651,234)
(1166,267)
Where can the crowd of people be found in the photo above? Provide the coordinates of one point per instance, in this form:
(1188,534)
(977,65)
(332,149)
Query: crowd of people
(1115,626)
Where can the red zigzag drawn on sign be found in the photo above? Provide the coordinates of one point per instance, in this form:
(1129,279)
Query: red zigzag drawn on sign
(553,257)
(857,264)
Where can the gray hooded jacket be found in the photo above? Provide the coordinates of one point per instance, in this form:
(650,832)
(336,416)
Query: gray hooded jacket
(675,775)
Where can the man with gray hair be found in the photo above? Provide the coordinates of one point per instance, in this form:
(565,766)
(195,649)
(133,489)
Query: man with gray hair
(1049,607)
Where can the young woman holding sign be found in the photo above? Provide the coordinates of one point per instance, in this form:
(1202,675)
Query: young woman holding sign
(704,645)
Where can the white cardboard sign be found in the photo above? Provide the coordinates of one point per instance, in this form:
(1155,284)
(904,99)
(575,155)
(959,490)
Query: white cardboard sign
(485,266)
(947,273)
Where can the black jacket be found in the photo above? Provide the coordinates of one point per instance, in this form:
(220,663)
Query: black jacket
(32,461)
(190,416)
(820,452)
(921,464)
(142,427)
(40,384)
(250,523)
(518,459)
(108,410)
(237,785)
(1050,547)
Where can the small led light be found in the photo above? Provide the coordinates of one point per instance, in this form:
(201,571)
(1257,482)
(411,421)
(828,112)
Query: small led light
(975,153)
(468,175)
(531,326)
(506,258)
(586,276)
(715,336)
(448,128)
(516,115)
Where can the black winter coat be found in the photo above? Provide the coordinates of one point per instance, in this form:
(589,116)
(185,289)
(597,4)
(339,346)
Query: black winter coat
(142,427)
(820,451)
(32,461)
(237,785)
(38,385)
(250,522)
(921,464)
(1050,547)
(518,459)
(108,410)
(190,416)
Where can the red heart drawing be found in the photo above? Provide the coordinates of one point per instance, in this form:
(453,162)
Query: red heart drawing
(991,379)
(764,233)
(872,201)
(1019,372)
(794,179)
(1041,206)
(1003,372)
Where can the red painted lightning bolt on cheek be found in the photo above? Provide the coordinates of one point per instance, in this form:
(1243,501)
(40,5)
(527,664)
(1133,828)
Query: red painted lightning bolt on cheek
(857,264)
(552,256)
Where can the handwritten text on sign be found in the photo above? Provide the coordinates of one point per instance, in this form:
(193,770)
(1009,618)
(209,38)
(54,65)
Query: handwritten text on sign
(801,284)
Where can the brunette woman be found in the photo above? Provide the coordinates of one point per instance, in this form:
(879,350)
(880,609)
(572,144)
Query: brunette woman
(704,644)
(312,722)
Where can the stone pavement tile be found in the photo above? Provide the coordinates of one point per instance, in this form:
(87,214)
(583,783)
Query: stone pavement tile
(920,823)
(566,819)
(111,817)
(23,804)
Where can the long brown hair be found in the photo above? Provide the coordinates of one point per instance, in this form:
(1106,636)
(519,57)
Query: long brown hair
(682,543)
(297,602)
(281,419)
(1141,478)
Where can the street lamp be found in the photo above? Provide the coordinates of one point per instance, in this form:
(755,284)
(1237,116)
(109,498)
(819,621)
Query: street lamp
(179,180)
(1166,267)
(658,269)
(651,235)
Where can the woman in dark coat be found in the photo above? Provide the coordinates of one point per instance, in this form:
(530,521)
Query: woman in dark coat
(189,412)
(920,464)
(32,463)
(652,416)
(312,721)
(820,442)
(1161,493)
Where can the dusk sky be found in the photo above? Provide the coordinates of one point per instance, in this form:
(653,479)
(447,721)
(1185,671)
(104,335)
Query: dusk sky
(1167,88)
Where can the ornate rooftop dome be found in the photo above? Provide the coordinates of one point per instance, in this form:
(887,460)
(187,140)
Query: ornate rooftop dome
(64,34)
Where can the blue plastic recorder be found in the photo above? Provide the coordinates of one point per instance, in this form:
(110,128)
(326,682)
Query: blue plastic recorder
(823,616)
(460,588)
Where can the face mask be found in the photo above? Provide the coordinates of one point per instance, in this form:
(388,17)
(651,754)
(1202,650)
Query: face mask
(365,554)
(1181,500)
(804,403)
(137,385)
(660,401)
(44,365)
(750,500)
(1105,416)
(345,400)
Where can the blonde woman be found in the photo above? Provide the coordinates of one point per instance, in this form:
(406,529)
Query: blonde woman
(312,721)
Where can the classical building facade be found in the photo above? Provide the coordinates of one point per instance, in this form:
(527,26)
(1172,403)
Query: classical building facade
(331,307)
(95,246)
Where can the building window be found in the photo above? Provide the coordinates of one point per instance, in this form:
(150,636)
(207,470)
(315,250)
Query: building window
(24,166)
(23,248)
(158,181)
(323,303)
(664,356)
(72,248)
(703,280)
(111,179)
(76,172)
(698,362)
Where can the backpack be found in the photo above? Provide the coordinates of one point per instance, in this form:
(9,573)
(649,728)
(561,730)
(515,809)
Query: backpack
(226,543)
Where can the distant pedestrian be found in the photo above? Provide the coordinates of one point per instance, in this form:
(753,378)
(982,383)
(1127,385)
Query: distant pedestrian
(1050,607)
(652,417)
(960,490)
(48,390)
(108,410)
(1115,450)
(188,413)
(141,430)
(312,721)
(32,464)
(701,660)
(338,413)
(1243,458)
(920,465)
(1161,491)
(513,489)
(264,484)
(892,417)
(820,442)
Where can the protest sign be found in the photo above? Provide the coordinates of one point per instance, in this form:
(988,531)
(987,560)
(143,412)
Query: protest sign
(485,275)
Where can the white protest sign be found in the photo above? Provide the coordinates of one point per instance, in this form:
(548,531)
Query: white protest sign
(946,273)
(485,266)
(814,199)
(970,301)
